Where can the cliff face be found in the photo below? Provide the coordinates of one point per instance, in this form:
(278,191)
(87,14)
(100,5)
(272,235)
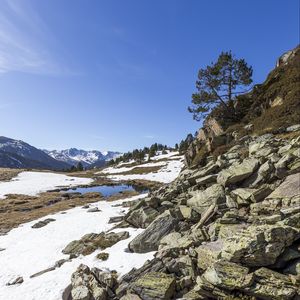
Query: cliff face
(268,108)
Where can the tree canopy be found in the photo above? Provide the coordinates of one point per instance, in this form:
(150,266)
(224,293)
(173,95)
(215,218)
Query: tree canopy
(218,83)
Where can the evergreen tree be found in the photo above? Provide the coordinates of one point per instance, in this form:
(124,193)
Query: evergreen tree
(79,166)
(218,83)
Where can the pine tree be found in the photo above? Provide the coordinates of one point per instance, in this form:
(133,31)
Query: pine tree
(218,83)
(79,166)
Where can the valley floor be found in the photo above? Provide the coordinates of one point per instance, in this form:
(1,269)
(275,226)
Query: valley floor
(25,251)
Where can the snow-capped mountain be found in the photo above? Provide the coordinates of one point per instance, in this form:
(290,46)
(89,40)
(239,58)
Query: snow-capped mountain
(90,158)
(18,154)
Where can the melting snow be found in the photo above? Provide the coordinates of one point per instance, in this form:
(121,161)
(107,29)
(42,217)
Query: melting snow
(32,183)
(29,250)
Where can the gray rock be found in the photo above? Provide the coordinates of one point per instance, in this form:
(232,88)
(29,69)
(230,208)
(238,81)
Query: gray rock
(43,272)
(149,239)
(42,223)
(89,284)
(259,245)
(228,275)
(204,199)
(141,217)
(17,280)
(268,284)
(208,254)
(93,241)
(293,268)
(116,219)
(93,209)
(288,189)
(154,286)
(238,172)
(293,128)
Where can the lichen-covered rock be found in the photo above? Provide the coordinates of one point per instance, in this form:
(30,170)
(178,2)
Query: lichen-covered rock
(259,245)
(288,189)
(208,254)
(142,217)
(228,275)
(269,285)
(215,194)
(149,239)
(154,286)
(176,240)
(93,241)
(238,172)
(85,285)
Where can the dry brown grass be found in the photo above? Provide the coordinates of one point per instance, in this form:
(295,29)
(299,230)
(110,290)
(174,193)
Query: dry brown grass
(140,170)
(7,174)
(18,209)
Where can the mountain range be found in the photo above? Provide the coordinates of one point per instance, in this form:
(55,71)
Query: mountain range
(88,158)
(18,154)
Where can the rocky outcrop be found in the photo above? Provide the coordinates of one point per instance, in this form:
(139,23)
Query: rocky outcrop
(229,229)
(91,284)
(238,231)
(149,239)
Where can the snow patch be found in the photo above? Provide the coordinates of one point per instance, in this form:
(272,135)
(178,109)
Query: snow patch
(29,250)
(33,183)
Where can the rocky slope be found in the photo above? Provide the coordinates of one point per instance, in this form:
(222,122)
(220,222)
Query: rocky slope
(227,228)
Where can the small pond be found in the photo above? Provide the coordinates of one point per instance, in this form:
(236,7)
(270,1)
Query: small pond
(106,190)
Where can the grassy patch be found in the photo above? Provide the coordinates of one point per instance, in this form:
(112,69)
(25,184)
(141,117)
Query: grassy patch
(7,174)
(140,170)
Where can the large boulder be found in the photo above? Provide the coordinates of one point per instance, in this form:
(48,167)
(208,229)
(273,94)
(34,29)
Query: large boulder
(288,189)
(238,172)
(141,217)
(154,286)
(149,239)
(215,194)
(93,241)
(259,245)
(228,275)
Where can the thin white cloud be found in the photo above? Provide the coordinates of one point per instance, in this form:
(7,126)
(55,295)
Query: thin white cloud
(151,137)
(23,40)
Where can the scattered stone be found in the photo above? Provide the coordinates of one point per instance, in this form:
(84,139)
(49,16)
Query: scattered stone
(94,209)
(42,223)
(17,280)
(115,219)
(93,241)
(42,272)
(102,256)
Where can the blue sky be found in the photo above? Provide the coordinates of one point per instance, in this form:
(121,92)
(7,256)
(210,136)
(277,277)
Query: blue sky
(119,74)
